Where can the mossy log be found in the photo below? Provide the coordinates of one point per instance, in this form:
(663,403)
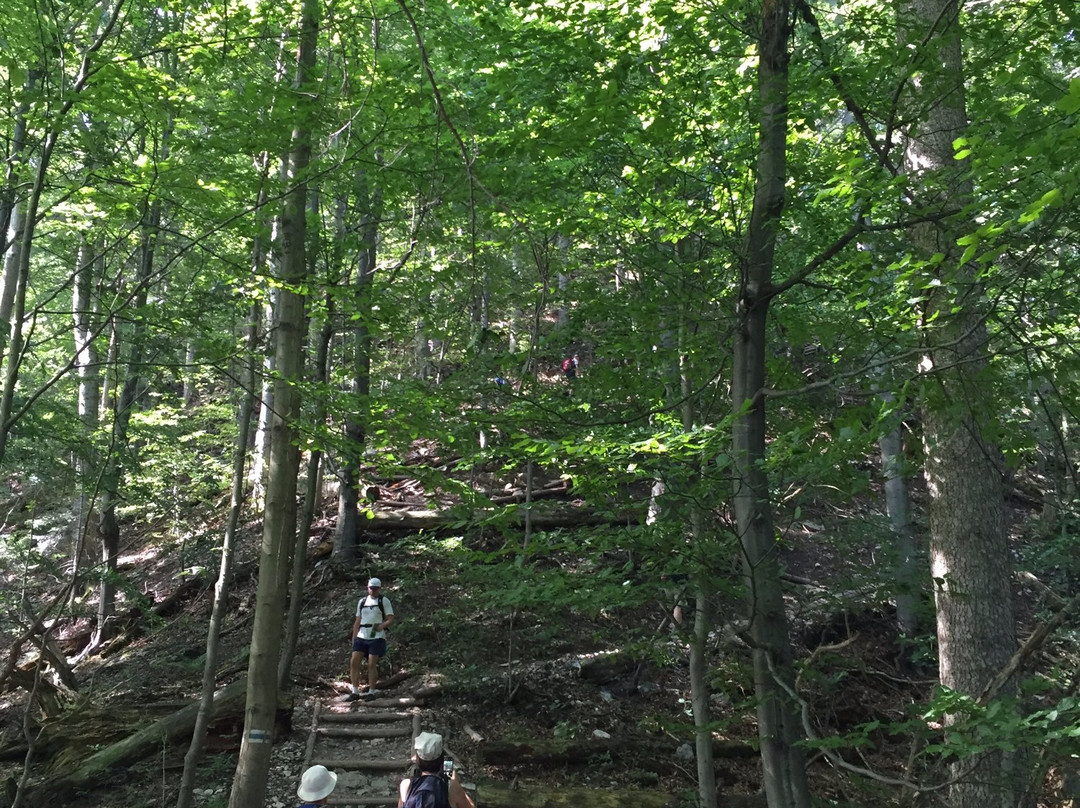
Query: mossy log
(541,519)
(536,797)
(528,796)
(579,751)
(170,729)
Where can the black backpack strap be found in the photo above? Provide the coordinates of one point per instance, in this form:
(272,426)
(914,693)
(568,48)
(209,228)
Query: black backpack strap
(440,779)
(378,605)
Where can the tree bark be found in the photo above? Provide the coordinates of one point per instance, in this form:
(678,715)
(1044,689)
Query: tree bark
(779,726)
(113,472)
(185,798)
(84,310)
(311,493)
(898,507)
(279,515)
(356,423)
(969,557)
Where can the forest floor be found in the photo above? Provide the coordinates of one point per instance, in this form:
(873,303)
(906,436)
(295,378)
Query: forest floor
(514,675)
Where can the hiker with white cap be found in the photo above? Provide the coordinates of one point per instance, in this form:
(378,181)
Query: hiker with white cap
(433,786)
(315,786)
(374,614)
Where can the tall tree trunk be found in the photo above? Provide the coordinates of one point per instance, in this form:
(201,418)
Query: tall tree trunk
(185,798)
(113,473)
(311,487)
(898,508)
(699,698)
(261,449)
(969,558)
(84,311)
(8,192)
(18,276)
(702,540)
(779,725)
(188,393)
(248,380)
(279,514)
(13,297)
(356,422)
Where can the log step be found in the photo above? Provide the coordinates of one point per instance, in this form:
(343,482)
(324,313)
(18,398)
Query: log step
(366,732)
(400,764)
(363,718)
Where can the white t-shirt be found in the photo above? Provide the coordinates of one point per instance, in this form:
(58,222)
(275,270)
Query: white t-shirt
(368,612)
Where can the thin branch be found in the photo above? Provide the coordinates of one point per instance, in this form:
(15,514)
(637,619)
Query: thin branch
(1033,643)
(838,761)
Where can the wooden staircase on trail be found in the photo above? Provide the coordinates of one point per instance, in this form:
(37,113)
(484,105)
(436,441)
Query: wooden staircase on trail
(368,747)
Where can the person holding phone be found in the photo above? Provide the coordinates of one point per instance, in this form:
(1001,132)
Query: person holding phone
(435,782)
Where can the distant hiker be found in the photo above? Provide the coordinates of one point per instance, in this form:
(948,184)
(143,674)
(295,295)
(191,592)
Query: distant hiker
(315,786)
(433,785)
(374,614)
(569,367)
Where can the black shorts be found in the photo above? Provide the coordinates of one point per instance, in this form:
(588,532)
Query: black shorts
(375,648)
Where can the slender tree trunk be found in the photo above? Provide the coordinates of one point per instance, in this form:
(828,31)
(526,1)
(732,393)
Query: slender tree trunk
(185,799)
(702,545)
(779,725)
(345,545)
(699,665)
(113,474)
(188,394)
(9,194)
(19,275)
(10,280)
(279,514)
(969,557)
(311,492)
(84,310)
(422,350)
(16,279)
(898,507)
(248,380)
(266,411)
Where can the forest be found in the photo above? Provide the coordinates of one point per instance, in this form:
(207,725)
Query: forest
(726,345)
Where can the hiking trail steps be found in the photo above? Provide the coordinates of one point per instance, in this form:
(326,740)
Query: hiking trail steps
(369,747)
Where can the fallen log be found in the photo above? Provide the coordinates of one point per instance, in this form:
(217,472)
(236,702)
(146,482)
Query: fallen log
(172,728)
(535,797)
(579,751)
(541,519)
(530,796)
(559,488)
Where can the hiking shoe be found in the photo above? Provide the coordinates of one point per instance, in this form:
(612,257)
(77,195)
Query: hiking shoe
(352,697)
(374,692)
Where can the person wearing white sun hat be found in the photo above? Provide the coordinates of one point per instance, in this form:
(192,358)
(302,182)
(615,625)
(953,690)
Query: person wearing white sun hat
(316,785)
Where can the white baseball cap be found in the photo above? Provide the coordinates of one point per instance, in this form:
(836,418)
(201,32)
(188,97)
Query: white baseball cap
(317,782)
(374,582)
(428,746)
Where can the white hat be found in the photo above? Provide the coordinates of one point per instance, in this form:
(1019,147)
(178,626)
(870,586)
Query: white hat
(317,782)
(428,746)
(374,582)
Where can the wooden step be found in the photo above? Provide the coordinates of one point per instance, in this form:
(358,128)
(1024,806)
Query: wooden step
(362,800)
(352,764)
(366,732)
(366,717)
